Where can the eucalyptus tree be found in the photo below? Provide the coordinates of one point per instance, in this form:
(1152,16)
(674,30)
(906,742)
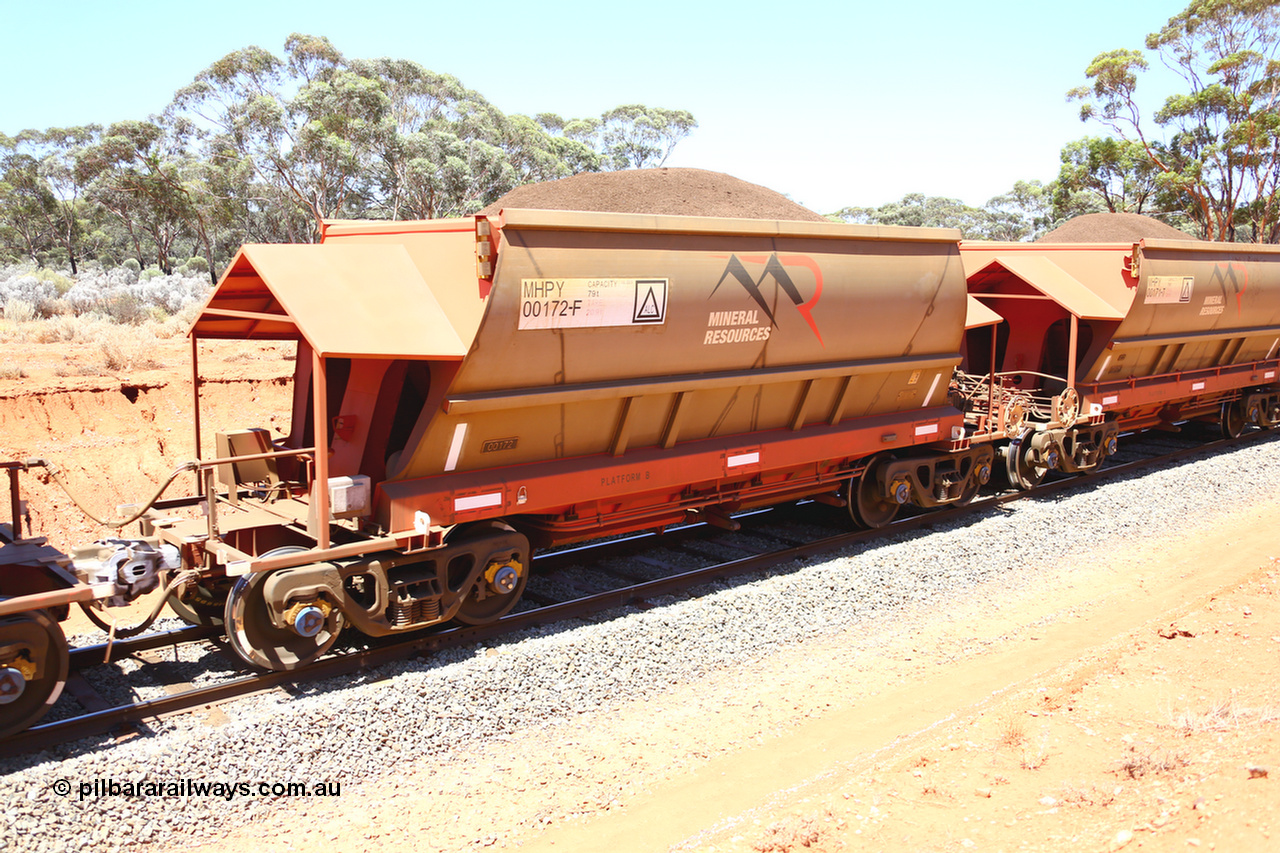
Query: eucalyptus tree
(443,155)
(634,136)
(1117,173)
(26,203)
(136,171)
(310,126)
(1222,135)
(917,210)
(1023,213)
(65,210)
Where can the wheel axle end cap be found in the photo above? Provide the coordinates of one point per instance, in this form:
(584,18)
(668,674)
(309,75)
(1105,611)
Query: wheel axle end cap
(308,621)
(12,685)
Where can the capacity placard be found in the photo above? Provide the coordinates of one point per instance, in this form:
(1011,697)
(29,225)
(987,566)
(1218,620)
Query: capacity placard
(576,303)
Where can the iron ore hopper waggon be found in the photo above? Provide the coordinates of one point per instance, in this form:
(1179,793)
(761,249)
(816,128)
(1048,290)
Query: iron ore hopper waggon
(469,390)
(1099,338)
(466,390)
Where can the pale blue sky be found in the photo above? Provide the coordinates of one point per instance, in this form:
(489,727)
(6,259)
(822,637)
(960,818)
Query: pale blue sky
(834,104)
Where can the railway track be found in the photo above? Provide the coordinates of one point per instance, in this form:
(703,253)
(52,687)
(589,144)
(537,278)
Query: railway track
(622,572)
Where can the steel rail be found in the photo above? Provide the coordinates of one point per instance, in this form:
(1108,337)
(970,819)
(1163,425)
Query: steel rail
(51,734)
(83,657)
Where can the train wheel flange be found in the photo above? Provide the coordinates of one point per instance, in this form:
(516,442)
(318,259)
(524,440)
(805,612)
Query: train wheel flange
(868,507)
(1023,471)
(259,641)
(498,588)
(204,604)
(1233,419)
(31,689)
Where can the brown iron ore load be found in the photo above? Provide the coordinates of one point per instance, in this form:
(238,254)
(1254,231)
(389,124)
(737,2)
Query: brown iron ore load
(1113,228)
(674,192)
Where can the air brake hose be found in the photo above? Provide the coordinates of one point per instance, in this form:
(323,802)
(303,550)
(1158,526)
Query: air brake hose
(56,475)
(114,631)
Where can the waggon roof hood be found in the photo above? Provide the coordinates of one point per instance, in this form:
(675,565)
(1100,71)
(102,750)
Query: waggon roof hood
(345,299)
(1054,282)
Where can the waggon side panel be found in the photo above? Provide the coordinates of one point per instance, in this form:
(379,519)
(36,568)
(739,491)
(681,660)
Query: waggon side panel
(1198,306)
(754,332)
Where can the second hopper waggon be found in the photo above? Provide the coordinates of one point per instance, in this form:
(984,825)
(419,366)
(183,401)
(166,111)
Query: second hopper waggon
(1109,336)
(469,389)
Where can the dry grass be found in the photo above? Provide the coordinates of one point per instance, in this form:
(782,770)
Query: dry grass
(12,371)
(793,832)
(93,328)
(127,347)
(1225,715)
(1013,732)
(1137,764)
(1082,795)
(121,346)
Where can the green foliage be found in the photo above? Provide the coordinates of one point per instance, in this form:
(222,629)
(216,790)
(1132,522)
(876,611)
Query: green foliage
(638,137)
(1105,173)
(264,148)
(916,210)
(1217,160)
(1023,213)
(60,282)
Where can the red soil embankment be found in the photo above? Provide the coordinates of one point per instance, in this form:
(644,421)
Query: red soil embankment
(116,438)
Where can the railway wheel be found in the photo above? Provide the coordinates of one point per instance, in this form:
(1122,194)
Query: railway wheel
(868,507)
(1233,419)
(498,588)
(204,604)
(30,680)
(260,642)
(1020,466)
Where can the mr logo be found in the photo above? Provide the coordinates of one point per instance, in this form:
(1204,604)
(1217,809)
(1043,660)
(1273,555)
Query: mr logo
(775,266)
(1234,278)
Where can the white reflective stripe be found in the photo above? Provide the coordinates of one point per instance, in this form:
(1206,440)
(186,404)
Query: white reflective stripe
(1271,351)
(927,429)
(1197,386)
(1114,398)
(477,502)
(455,449)
(743,459)
(932,388)
(1100,369)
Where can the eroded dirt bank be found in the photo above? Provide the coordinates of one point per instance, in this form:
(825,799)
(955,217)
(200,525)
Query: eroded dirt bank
(117,437)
